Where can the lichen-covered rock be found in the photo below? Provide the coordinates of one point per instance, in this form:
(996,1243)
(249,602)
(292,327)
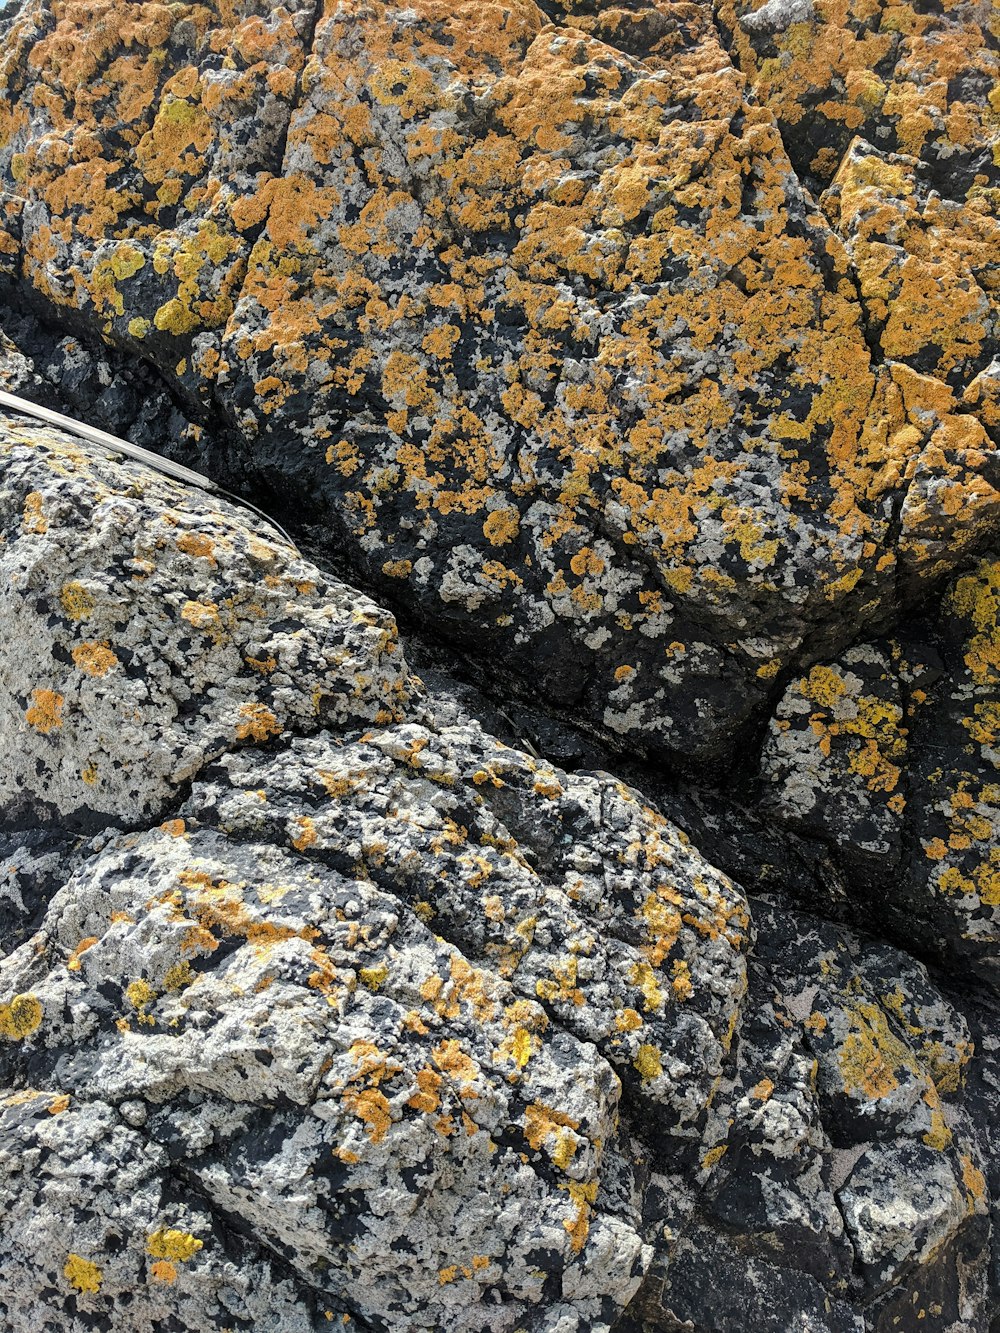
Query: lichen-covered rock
(370,1018)
(833,754)
(410,1136)
(158,635)
(529,303)
(844,1182)
(376,994)
(890,755)
(649,353)
(914,79)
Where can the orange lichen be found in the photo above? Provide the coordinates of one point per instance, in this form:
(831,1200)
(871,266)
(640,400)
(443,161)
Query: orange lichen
(45,712)
(94,659)
(257,723)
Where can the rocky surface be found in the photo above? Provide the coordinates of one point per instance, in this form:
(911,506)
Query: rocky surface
(538,311)
(317,1002)
(635,965)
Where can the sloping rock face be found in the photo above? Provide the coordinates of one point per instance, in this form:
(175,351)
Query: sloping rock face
(361,1016)
(889,753)
(644,356)
(537,309)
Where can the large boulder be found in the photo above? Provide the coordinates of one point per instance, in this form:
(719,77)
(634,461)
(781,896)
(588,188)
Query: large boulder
(526,310)
(377,990)
(369,1018)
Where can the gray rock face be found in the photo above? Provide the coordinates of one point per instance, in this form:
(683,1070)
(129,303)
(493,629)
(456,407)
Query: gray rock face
(844,1186)
(890,755)
(150,630)
(355,1015)
(422,1128)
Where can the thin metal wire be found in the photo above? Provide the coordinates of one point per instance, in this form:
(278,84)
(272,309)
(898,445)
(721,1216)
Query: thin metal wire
(176,471)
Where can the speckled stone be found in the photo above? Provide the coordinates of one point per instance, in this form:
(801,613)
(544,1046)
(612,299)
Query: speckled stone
(630,347)
(368,1019)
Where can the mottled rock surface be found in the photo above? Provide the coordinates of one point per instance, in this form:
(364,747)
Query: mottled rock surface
(539,308)
(644,357)
(365,1016)
(889,754)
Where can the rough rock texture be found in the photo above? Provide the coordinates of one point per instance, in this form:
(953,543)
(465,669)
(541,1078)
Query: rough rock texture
(644,356)
(890,754)
(263,999)
(363,1015)
(530,307)
(844,1187)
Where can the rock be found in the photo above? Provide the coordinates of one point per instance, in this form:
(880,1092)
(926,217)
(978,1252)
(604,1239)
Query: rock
(376,1019)
(845,1187)
(256,984)
(137,649)
(638,969)
(535,323)
(889,754)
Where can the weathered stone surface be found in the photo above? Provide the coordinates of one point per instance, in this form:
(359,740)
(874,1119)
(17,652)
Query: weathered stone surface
(890,755)
(648,354)
(139,643)
(423,1128)
(845,1187)
(391,1024)
(530,305)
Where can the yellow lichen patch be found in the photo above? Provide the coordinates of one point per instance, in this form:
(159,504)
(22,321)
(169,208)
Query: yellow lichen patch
(373,978)
(45,711)
(501,526)
(522,1045)
(824,685)
(202,615)
(975,1184)
(872,1056)
(543,1122)
(371,1106)
(178,976)
(83,1274)
(34,519)
(628,1021)
(714,1155)
(162,1270)
(648,1062)
(21,1017)
(648,981)
(140,996)
(976,599)
(939,1135)
(427,1098)
(681,984)
(583,1195)
(562,987)
(397,569)
(257,723)
(76,601)
(174,1245)
(198,546)
(59,1104)
(94,659)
